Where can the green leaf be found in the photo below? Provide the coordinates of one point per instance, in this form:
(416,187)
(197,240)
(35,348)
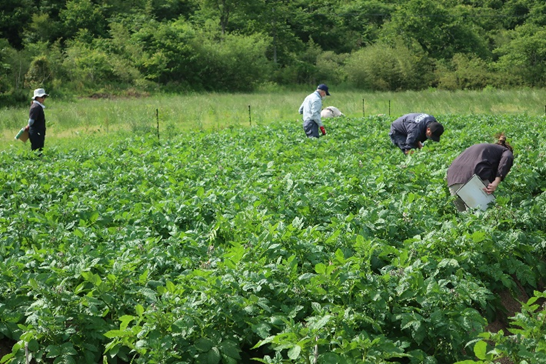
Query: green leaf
(6,358)
(448,263)
(93,278)
(330,358)
(53,351)
(114,333)
(68,349)
(320,323)
(480,350)
(213,356)
(33,345)
(139,310)
(478,236)
(294,352)
(125,321)
(262,329)
(230,349)
(306,276)
(263,342)
(320,268)
(340,257)
(94,217)
(204,344)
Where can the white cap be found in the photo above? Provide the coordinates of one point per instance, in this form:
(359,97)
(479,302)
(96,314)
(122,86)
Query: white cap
(39,92)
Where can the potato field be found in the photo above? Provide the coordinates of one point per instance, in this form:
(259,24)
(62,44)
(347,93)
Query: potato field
(256,244)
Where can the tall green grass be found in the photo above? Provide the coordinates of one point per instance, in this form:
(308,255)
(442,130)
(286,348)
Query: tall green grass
(179,113)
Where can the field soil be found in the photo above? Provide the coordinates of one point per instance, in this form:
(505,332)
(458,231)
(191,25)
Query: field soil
(5,346)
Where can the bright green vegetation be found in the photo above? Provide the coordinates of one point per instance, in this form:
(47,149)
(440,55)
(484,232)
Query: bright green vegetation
(113,47)
(256,242)
(180,113)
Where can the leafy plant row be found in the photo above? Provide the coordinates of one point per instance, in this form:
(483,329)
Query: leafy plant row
(258,244)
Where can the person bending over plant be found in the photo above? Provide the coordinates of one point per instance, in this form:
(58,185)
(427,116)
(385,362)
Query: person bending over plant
(490,162)
(411,130)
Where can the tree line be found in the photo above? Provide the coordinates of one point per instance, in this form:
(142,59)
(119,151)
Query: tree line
(94,47)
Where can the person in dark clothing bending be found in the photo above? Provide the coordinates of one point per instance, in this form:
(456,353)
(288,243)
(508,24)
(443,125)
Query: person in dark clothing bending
(36,120)
(411,130)
(491,162)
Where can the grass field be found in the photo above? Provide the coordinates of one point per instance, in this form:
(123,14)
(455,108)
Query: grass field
(180,113)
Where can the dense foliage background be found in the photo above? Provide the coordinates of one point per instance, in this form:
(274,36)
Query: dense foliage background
(94,47)
(256,242)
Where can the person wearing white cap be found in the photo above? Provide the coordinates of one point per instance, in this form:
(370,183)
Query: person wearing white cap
(310,109)
(36,120)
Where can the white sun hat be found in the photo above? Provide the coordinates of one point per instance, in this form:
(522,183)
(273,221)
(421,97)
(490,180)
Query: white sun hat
(39,92)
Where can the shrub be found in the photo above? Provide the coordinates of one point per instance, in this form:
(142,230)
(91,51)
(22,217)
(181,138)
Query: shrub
(236,63)
(39,73)
(383,67)
(330,68)
(464,72)
(93,67)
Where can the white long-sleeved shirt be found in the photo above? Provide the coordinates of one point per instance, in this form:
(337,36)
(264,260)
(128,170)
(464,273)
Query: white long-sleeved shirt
(311,108)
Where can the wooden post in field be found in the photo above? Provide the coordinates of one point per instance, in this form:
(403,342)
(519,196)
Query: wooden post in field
(157,119)
(249,116)
(363,110)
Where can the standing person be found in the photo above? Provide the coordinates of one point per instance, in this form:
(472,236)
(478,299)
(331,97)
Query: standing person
(310,109)
(491,162)
(411,130)
(36,120)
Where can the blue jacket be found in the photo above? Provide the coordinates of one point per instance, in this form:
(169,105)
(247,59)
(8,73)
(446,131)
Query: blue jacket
(414,127)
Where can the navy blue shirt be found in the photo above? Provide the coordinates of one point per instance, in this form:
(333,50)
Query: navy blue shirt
(37,114)
(414,127)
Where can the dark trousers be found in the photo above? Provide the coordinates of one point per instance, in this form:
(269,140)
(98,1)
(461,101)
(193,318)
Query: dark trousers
(398,139)
(37,139)
(311,129)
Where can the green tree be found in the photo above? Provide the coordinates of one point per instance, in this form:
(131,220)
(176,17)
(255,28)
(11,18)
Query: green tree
(42,28)
(321,21)
(81,15)
(14,15)
(167,53)
(440,31)
(363,20)
(523,59)
(224,10)
(275,21)
(4,66)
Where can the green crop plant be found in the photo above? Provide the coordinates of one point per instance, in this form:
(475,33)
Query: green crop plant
(256,244)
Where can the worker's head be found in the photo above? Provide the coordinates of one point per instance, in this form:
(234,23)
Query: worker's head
(40,95)
(323,90)
(434,131)
(501,140)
